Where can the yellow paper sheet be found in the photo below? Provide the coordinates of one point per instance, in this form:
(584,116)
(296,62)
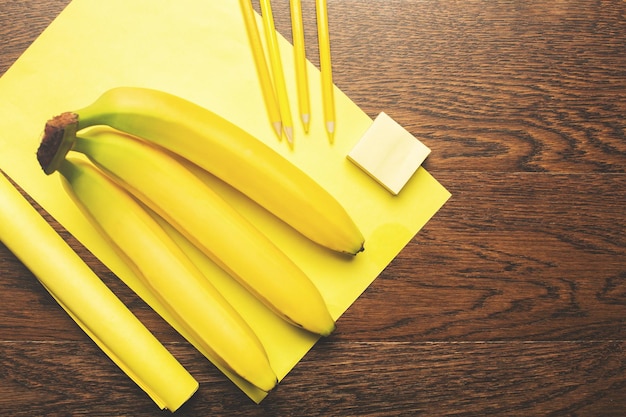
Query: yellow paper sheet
(199,50)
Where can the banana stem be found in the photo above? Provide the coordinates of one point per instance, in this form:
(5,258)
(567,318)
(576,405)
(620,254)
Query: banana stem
(90,303)
(58,139)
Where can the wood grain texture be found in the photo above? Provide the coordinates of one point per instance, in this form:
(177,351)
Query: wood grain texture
(512,299)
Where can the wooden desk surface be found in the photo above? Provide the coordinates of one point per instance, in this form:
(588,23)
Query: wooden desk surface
(511,301)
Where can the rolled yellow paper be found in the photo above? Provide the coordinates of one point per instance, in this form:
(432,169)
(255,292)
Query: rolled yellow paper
(90,303)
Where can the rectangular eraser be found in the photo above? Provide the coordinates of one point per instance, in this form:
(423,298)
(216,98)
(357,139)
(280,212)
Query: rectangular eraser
(389,153)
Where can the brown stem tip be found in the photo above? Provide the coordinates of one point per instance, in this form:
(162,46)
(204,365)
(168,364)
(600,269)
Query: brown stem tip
(57,140)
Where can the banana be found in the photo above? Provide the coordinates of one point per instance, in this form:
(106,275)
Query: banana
(187,295)
(90,303)
(228,152)
(167,187)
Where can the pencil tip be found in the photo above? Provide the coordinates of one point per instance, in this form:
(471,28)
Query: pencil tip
(289,133)
(278,129)
(330,128)
(306,119)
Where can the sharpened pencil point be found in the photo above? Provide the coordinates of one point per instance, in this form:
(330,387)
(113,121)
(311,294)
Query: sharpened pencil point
(278,129)
(306,121)
(330,128)
(289,133)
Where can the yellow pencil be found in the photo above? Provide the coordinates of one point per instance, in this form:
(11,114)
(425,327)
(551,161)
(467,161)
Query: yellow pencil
(302,80)
(263,73)
(326,67)
(277,68)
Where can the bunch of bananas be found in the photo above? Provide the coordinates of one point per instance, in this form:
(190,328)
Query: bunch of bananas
(138,143)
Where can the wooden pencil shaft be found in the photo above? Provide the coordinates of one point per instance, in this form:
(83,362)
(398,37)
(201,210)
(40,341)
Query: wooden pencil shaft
(265,78)
(277,67)
(297,29)
(325,65)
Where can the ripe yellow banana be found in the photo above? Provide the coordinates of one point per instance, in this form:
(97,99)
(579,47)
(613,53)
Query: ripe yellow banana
(193,302)
(225,236)
(90,303)
(229,153)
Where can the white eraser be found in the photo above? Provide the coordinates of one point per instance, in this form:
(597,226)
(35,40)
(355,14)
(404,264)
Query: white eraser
(389,153)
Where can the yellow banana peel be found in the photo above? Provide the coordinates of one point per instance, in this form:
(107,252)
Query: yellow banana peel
(90,303)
